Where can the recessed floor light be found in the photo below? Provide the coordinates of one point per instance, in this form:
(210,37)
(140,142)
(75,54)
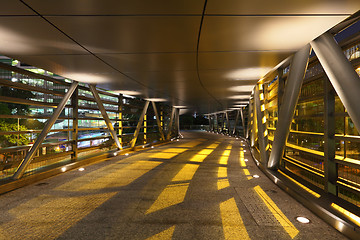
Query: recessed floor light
(81,169)
(256,176)
(152,146)
(63,169)
(244,150)
(246,160)
(126,154)
(302,220)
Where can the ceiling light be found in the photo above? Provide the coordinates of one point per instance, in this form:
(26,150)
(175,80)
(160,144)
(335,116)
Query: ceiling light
(241,105)
(86,77)
(239,97)
(302,220)
(243,88)
(156,99)
(180,106)
(127,92)
(248,73)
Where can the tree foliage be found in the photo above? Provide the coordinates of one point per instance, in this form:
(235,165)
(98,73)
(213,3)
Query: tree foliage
(12,139)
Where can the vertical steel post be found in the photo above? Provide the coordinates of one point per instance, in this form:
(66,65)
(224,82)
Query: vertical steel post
(30,154)
(253,122)
(120,110)
(139,124)
(236,121)
(171,123)
(249,122)
(104,114)
(145,128)
(217,123)
(281,87)
(330,166)
(75,120)
(341,73)
(291,95)
(158,121)
(242,121)
(209,116)
(227,122)
(177,119)
(262,132)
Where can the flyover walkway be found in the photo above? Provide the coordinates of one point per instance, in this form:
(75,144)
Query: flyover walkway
(204,186)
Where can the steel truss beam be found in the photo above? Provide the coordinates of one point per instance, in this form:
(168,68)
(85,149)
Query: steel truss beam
(30,154)
(250,122)
(104,114)
(261,125)
(236,122)
(140,122)
(158,121)
(291,95)
(177,119)
(341,74)
(171,123)
(227,122)
(242,121)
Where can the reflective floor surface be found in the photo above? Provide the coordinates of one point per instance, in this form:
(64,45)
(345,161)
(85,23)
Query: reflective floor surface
(205,186)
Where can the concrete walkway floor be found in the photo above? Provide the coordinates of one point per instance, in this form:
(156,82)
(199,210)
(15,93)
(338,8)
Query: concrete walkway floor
(201,187)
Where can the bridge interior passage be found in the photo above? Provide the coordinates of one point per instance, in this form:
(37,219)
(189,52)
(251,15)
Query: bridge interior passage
(204,186)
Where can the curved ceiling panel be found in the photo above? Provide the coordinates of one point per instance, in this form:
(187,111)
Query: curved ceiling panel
(149,48)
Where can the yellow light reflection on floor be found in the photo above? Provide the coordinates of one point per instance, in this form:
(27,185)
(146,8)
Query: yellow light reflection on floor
(242,162)
(190,144)
(223,160)
(229,147)
(247,174)
(213,146)
(186,173)
(222,181)
(166,234)
(226,153)
(172,195)
(168,153)
(278,214)
(225,157)
(232,223)
(174,150)
(122,176)
(164,155)
(200,156)
(206,151)
(59,210)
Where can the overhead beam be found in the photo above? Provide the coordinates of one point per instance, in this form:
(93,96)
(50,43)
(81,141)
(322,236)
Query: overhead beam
(341,74)
(104,114)
(291,95)
(30,154)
